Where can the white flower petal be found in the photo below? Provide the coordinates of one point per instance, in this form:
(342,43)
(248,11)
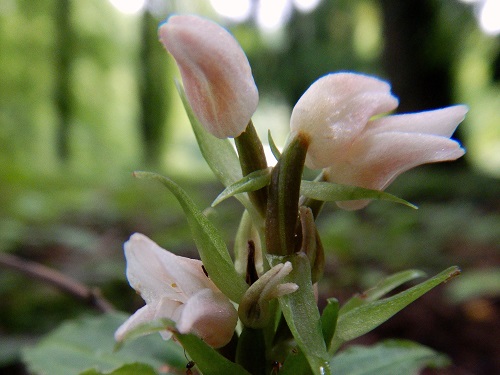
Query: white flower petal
(335,109)
(143,315)
(211,316)
(374,161)
(155,272)
(442,122)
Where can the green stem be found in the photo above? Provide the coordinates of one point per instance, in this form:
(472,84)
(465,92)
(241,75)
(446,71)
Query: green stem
(252,158)
(251,352)
(283,200)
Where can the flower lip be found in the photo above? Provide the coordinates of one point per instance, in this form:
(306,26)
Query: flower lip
(215,71)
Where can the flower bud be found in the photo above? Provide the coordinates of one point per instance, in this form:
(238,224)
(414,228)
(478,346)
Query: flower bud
(215,71)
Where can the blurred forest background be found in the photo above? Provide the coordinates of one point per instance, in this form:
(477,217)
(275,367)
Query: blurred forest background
(87,96)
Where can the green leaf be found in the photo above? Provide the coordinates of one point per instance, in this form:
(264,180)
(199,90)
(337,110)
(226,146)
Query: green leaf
(331,192)
(88,343)
(251,182)
(213,251)
(206,358)
(129,369)
(295,364)
(302,315)
(363,319)
(382,288)
(219,154)
(329,320)
(392,357)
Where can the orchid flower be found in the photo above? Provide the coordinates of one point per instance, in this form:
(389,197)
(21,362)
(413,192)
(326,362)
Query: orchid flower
(176,288)
(336,114)
(215,71)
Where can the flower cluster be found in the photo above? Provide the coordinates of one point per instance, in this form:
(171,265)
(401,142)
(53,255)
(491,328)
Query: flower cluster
(341,126)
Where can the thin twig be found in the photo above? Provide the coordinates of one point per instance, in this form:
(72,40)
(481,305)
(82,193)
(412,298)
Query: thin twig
(90,296)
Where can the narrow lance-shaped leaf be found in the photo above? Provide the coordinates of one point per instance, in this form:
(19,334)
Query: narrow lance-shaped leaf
(363,319)
(302,315)
(331,192)
(208,240)
(272,145)
(329,320)
(251,182)
(382,288)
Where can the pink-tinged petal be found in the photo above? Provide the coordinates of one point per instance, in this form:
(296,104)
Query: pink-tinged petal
(211,316)
(335,109)
(155,272)
(143,315)
(215,71)
(438,122)
(374,162)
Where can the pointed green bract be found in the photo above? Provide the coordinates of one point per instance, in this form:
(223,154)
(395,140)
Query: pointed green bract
(331,192)
(392,357)
(363,319)
(302,315)
(208,240)
(329,320)
(206,358)
(274,149)
(251,182)
(382,288)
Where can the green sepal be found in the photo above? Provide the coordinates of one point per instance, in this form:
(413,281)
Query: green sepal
(206,358)
(128,369)
(219,154)
(272,145)
(329,320)
(391,357)
(211,246)
(382,288)
(301,313)
(362,319)
(331,192)
(251,182)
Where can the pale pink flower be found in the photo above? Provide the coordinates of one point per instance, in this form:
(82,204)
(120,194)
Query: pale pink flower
(176,288)
(334,110)
(336,113)
(215,71)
